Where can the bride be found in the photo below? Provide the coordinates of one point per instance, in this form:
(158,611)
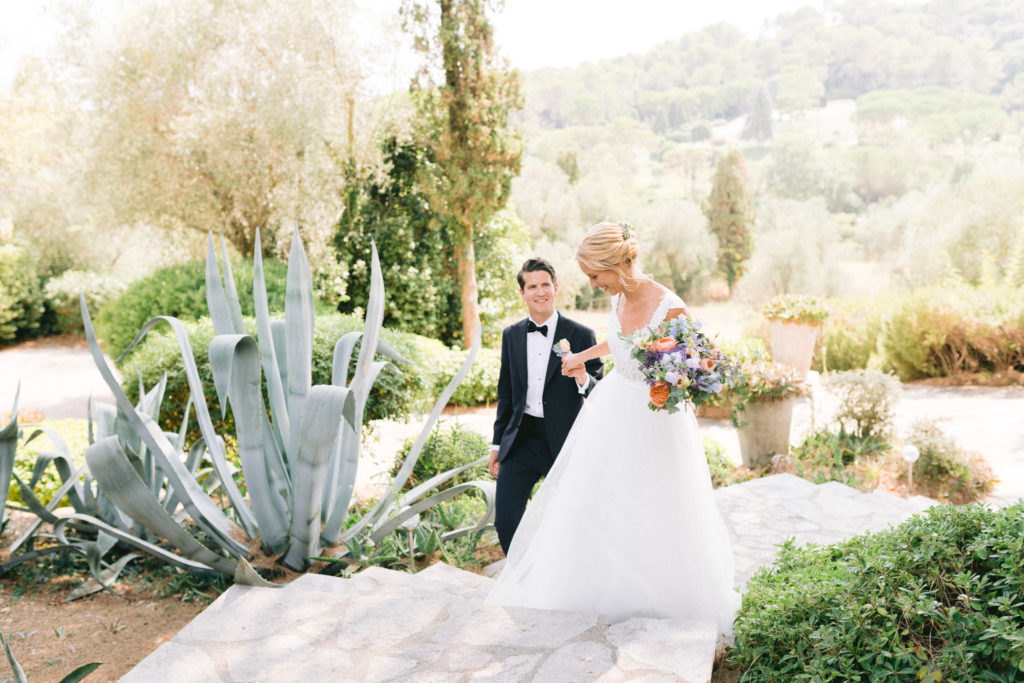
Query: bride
(625,523)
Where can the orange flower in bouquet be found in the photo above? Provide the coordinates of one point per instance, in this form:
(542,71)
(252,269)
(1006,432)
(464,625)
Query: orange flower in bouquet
(664,344)
(660,392)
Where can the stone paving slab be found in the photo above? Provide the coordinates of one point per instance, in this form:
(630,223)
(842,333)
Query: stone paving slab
(398,627)
(383,625)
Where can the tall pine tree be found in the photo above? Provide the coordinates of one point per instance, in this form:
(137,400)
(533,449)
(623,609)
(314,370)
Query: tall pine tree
(730,215)
(465,120)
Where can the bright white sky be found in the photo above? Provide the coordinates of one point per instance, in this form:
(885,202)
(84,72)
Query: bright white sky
(531,33)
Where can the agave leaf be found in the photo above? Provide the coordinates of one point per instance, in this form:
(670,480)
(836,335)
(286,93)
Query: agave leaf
(81,672)
(391,352)
(488,488)
(338,495)
(105,416)
(342,357)
(110,465)
(246,575)
(8,446)
(44,512)
(28,557)
(385,502)
(362,379)
(202,509)
(235,362)
(326,408)
(298,316)
(436,481)
(183,430)
(216,299)
(127,538)
(230,290)
(19,673)
(268,348)
(279,334)
(392,523)
(102,579)
(344,465)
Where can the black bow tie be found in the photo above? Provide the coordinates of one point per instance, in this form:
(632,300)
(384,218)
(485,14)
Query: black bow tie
(533,327)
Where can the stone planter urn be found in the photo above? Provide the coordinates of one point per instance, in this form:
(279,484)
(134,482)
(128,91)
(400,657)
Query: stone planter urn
(764,430)
(793,344)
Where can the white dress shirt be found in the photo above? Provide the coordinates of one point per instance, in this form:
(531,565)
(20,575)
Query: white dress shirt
(538,353)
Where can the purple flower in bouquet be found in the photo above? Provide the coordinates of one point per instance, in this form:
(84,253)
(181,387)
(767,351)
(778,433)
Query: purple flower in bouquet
(680,364)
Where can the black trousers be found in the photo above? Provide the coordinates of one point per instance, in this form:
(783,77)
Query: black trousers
(529,459)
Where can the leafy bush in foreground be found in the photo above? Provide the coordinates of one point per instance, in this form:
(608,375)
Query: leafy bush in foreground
(21,298)
(180,291)
(941,597)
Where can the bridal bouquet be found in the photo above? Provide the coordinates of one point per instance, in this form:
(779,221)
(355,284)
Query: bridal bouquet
(680,364)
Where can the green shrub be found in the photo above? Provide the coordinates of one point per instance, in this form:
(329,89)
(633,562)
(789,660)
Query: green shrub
(937,598)
(75,434)
(825,454)
(943,470)
(21,298)
(718,462)
(946,331)
(395,394)
(849,336)
(62,292)
(447,448)
(480,386)
(180,291)
(867,399)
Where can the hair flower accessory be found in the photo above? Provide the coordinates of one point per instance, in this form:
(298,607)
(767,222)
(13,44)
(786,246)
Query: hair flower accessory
(627,231)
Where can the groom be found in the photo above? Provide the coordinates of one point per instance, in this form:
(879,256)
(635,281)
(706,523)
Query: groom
(537,404)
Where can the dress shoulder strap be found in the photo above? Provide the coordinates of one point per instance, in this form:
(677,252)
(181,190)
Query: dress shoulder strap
(669,300)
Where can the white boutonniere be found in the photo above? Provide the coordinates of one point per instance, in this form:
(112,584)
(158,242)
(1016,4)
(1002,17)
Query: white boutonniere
(561,348)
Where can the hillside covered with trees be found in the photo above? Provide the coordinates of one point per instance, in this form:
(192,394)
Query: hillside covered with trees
(881,138)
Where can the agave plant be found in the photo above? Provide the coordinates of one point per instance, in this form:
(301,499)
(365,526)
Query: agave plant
(298,447)
(96,522)
(8,446)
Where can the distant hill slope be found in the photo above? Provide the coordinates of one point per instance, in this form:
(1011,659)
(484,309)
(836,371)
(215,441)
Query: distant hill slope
(804,59)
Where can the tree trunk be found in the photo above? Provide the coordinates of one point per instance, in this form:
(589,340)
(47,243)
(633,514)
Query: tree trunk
(466,258)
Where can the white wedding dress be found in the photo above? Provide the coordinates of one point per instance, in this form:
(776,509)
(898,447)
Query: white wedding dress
(625,524)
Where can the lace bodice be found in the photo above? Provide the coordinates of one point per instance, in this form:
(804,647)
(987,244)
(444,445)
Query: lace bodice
(624,363)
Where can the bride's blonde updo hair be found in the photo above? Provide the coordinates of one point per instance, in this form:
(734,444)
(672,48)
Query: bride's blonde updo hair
(614,247)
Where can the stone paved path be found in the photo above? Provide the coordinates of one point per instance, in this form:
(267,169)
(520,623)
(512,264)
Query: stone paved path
(433,626)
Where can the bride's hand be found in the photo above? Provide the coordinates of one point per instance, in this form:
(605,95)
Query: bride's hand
(570,363)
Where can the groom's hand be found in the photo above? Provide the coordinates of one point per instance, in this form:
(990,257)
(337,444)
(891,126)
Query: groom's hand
(492,463)
(578,373)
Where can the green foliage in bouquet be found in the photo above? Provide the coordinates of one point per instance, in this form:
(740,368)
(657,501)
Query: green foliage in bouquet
(807,310)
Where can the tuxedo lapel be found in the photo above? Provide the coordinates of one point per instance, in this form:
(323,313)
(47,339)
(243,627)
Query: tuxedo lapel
(554,362)
(519,364)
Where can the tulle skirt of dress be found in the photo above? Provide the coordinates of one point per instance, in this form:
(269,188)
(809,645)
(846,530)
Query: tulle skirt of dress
(625,523)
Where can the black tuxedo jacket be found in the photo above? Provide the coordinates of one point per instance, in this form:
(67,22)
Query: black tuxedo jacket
(562,400)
